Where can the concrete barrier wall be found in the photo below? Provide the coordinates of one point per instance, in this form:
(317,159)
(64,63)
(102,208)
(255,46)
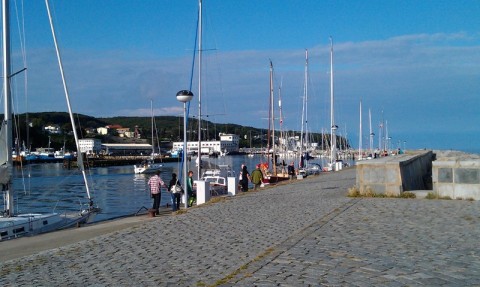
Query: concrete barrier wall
(457,179)
(416,173)
(395,174)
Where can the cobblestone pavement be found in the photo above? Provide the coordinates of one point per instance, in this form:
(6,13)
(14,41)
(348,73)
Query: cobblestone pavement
(307,233)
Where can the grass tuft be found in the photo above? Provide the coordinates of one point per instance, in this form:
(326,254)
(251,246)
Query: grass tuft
(407,194)
(353,192)
(369,192)
(217,199)
(181,211)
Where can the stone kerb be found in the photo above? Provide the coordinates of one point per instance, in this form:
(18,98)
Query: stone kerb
(457,178)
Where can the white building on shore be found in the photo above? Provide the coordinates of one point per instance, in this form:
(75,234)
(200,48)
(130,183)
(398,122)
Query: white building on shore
(90,146)
(227,143)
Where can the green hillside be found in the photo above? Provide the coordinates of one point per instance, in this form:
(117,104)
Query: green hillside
(169,129)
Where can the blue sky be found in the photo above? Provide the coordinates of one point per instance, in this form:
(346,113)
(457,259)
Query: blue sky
(416,64)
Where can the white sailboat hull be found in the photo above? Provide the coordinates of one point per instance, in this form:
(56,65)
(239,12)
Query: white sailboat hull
(35,223)
(147,168)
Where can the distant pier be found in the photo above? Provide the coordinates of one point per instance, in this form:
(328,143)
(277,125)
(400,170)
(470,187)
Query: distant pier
(116,160)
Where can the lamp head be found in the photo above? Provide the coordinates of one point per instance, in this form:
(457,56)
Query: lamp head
(184,96)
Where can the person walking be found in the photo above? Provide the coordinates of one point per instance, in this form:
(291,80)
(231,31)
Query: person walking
(257,177)
(192,197)
(245,178)
(155,183)
(291,171)
(172,188)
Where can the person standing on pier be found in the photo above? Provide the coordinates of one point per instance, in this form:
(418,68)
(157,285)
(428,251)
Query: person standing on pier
(175,194)
(155,183)
(191,193)
(291,171)
(257,177)
(245,178)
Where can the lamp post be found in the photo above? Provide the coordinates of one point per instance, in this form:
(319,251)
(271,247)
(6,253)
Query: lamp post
(185,96)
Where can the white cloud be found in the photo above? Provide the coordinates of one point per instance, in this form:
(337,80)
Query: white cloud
(422,82)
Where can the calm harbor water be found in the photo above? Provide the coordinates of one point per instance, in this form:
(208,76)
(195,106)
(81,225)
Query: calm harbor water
(116,190)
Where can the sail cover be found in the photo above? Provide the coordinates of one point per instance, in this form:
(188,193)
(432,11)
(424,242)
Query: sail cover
(4,167)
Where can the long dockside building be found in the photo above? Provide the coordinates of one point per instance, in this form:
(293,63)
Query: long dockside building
(227,143)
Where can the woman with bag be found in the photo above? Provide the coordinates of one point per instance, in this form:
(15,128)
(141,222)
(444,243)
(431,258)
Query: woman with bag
(176,191)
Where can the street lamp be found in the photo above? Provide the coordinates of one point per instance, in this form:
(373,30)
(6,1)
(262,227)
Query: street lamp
(185,96)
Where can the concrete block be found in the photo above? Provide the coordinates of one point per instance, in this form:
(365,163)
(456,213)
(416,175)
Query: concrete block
(445,175)
(392,174)
(203,191)
(466,191)
(373,175)
(467,176)
(446,190)
(232,186)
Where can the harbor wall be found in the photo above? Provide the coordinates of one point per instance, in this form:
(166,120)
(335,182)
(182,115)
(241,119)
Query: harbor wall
(457,178)
(393,175)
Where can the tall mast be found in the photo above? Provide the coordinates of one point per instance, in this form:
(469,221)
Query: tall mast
(282,136)
(380,135)
(199,89)
(306,100)
(360,134)
(371,131)
(333,151)
(387,139)
(304,136)
(272,122)
(153,142)
(7,124)
(269,132)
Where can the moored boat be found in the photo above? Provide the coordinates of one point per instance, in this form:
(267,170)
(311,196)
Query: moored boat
(13,224)
(217,178)
(147,167)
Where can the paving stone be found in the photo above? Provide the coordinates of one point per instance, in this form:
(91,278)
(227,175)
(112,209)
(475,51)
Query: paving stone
(307,233)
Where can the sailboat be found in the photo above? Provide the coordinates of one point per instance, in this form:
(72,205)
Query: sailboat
(149,166)
(333,127)
(271,177)
(198,161)
(13,224)
(304,168)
